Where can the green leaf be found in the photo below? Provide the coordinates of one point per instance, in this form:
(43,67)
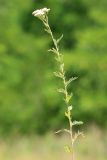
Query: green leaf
(48,31)
(68,98)
(53,50)
(58,131)
(67,149)
(67,114)
(70,80)
(58,74)
(61,90)
(77,123)
(58,40)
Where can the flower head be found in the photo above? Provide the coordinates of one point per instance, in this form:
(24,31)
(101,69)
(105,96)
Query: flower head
(40,13)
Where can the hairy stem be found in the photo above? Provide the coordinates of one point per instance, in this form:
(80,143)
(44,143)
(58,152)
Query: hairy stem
(61,63)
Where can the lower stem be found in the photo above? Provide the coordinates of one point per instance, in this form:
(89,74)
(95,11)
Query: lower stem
(71,137)
(72,154)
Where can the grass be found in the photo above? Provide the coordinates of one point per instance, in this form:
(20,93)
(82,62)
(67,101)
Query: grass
(92,147)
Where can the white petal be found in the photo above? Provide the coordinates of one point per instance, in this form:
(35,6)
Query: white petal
(40,12)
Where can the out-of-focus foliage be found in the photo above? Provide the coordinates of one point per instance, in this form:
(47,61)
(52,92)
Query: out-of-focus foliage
(51,147)
(28,98)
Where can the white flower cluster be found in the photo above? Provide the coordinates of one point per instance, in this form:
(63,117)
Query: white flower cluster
(40,13)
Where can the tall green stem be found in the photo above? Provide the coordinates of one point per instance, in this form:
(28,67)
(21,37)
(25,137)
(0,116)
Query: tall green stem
(42,15)
(48,29)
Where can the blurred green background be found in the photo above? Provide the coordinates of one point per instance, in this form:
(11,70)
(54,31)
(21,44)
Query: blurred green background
(29,102)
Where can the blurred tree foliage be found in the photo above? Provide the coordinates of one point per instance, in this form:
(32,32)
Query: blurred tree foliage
(28,98)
